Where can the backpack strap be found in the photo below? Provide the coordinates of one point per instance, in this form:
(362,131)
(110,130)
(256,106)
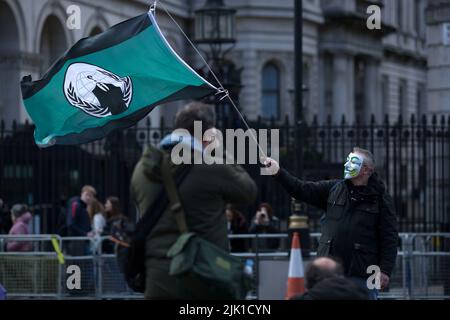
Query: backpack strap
(154,212)
(172,192)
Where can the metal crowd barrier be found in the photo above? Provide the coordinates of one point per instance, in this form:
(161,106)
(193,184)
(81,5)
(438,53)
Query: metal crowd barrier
(422,270)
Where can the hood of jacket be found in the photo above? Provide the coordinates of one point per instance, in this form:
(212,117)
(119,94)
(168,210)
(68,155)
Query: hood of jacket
(152,156)
(186,139)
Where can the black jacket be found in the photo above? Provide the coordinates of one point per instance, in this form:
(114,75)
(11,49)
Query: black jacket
(77,218)
(336,288)
(359,226)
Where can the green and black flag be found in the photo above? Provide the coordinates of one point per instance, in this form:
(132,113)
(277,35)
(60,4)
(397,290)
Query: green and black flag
(107,82)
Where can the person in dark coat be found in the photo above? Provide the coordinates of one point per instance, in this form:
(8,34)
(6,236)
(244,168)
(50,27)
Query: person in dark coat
(336,288)
(324,280)
(78,222)
(265,222)
(360,224)
(5,218)
(236,224)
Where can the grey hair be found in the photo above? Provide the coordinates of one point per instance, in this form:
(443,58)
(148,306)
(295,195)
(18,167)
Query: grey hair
(369,159)
(19,209)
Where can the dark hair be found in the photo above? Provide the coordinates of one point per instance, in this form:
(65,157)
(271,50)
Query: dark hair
(268,207)
(314,273)
(116,208)
(195,111)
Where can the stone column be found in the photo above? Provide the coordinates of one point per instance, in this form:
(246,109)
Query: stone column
(10,95)
(12,69)
(372,91)
(250,95)
(343,87)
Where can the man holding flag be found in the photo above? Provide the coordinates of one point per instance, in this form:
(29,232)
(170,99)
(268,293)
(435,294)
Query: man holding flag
(359,225)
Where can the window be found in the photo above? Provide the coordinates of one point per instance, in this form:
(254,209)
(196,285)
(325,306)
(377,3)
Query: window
(270,91)
(53,42)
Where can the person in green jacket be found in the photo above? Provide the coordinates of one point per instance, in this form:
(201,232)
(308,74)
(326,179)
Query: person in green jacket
(204,193)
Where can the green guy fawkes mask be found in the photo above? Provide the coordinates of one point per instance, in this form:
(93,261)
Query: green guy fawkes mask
(352,166)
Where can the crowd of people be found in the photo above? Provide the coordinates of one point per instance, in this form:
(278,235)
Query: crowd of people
(263,222)
(85,216)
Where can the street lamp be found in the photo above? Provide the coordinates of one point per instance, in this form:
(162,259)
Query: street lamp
(215,23)
(215,26)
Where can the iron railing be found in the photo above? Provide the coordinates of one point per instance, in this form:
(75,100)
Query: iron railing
(421,272)
(412,155)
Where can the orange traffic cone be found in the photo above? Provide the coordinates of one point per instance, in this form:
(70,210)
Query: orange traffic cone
(296,278)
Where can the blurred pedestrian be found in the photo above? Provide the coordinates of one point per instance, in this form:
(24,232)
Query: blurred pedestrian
(325,280)
(21,217)
(265,222)
(5,218)
(204,192)
(2,293)
(96,212)
(236,224)
(114,219)
(360,223)
(320,269)
(78,222)
(61,223)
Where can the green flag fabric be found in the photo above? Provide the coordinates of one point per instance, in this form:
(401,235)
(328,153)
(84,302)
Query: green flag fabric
(109,81)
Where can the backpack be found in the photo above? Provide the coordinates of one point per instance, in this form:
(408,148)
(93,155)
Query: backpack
(206,269)
(61,223)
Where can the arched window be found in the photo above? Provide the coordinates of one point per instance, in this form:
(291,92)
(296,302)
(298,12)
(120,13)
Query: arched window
(96,30)
(270,92)
(53,42)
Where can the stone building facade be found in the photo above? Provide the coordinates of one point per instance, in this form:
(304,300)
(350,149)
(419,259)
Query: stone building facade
(348,69)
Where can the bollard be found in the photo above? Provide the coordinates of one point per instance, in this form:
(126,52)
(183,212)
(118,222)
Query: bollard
(298,222)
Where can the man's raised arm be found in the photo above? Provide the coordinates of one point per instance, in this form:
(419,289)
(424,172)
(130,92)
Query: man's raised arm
(314,193)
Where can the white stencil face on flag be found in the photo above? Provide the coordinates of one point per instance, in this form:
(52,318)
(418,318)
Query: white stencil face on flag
(88,87)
